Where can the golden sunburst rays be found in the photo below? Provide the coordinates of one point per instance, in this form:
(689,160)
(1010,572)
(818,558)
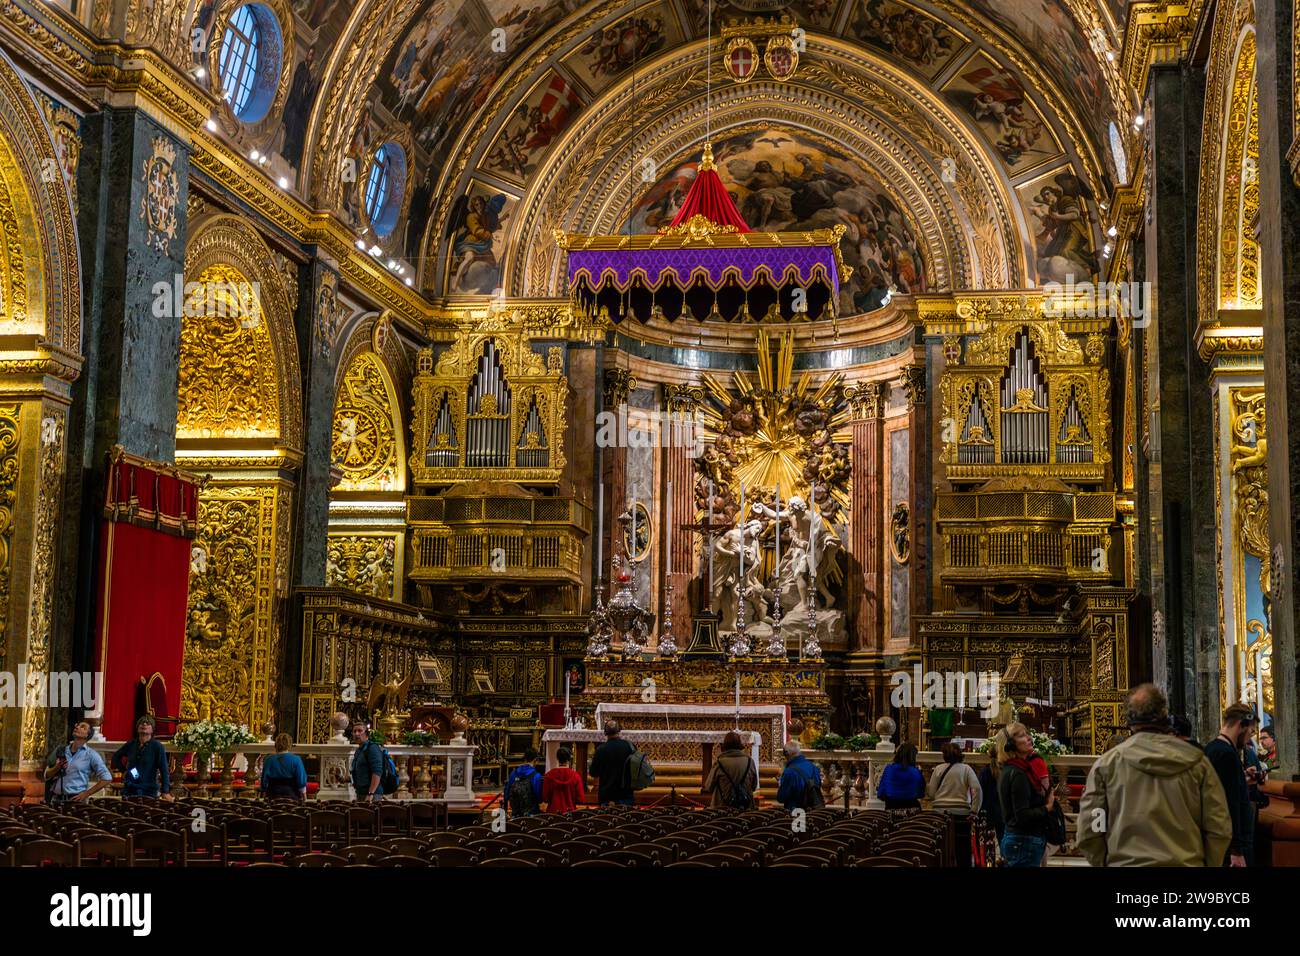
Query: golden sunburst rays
(756,425)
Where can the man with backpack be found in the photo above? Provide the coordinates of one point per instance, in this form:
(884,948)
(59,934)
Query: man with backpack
(610,764)
(801,782)
(523,794)
(373,773)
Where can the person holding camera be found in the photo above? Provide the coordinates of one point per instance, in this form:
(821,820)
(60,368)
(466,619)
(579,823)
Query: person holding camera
(70,767)
(1225,754)
(143,762)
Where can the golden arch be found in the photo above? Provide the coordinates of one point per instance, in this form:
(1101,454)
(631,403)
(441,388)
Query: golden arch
(366,437)
(1239,188)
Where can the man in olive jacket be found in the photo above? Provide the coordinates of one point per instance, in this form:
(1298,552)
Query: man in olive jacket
(1153,800)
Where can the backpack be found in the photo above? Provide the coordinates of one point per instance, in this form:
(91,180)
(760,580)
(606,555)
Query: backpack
(523,799)
(388,779)
(810,797)
(640,774)
(738,798)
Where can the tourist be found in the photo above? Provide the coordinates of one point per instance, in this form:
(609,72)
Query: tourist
(143,762)
(70,767)
(989,787)
(956,790)
(1025,792)
(1268,747)
(1182,729)
(902,784)
(609,764)
(562,788)
(523,794)
(733,778)
(367,764)
(283,775)
(1153,800)
(1224,753)
(1256,775)
(800,786)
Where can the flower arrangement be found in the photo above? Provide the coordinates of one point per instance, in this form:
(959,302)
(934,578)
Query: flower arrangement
(828,741)
(862,742)
(206,737)
(1045,746)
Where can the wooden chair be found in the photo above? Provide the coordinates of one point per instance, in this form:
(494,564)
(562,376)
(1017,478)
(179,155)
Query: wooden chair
(598,861)
(6,857)
(327,825)
(880,861)
(727,858)
(159,847)
(516,861)
(46,853)
(629,858)
(812,858)
(475,833)
(453,856)
(427,816)
(393,819)
(317,860)
(362,821)
(491,849)
(447,838)
(249,840)
(292,833)
(368,853)
(578,852)
(104,849)
(406,846)
(151,700)
(408,861)
(537,857)
(207,847)
(907,857)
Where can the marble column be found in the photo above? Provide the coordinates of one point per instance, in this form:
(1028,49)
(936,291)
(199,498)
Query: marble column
(318,322)
(866,586)
(133,188)
(1279,247)
(682,403)
(1179,505)
(619,383)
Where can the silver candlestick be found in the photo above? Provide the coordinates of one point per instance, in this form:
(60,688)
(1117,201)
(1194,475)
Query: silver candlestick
(667,646)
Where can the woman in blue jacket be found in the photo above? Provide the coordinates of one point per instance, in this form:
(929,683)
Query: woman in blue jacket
(283,775)
(902,785)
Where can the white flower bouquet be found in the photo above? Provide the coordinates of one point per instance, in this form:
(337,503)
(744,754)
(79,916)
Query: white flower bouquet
(206,737)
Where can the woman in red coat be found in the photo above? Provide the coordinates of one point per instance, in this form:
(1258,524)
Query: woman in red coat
(562,788)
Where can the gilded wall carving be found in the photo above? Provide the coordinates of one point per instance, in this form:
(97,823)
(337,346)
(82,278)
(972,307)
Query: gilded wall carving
(365,435)
(9,441)
(19,258)
(41,622)
(228,368)
(361,563)
(64,126)
(232,634)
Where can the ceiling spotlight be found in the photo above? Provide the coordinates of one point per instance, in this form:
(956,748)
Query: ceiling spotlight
(361,245)
(392,264)
(284,183)
(1106,249)
(211,125)
(262,161)
(408,280)
(200,73)
(375,250)
(254,155)
(1112,232)
(1110,57)
(1139,121)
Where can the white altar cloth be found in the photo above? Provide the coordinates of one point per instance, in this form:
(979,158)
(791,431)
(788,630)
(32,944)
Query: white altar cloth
(553,739)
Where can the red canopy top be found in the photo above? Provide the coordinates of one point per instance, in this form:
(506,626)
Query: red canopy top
(709,198)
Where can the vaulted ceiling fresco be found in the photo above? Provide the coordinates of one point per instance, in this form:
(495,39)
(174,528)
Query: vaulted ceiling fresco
(982,132)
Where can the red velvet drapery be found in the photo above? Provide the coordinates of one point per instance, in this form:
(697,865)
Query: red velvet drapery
(150,518)
(709,198)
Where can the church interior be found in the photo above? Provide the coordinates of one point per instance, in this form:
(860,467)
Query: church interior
(859,378)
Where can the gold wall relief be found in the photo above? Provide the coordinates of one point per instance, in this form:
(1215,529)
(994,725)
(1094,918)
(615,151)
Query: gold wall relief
(364,563)
(9,441)
(41,623)
(228,367)
(237,574)
(366,430)
(1238,250)
(19,256)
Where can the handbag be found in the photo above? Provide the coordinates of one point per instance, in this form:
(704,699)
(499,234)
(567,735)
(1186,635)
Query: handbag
(1056,825)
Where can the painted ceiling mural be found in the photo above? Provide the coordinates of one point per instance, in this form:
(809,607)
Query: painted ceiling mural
(787,181)
(482,92)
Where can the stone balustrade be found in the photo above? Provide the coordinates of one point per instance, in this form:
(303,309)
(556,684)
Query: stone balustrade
(850,777)
(443,773)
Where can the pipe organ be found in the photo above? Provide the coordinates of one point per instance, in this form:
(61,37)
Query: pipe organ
(1024,408)
(487,433)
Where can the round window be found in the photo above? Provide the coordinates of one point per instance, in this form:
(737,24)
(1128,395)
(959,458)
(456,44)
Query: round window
(249,63)
(385,186)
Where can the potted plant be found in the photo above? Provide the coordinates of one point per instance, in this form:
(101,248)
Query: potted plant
(204,738)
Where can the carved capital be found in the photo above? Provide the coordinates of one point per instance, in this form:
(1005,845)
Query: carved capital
(913,382)
(866,400)
(683,399)
(619,383)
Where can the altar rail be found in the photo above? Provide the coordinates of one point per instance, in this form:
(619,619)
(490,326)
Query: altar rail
(850,777)
(442,773)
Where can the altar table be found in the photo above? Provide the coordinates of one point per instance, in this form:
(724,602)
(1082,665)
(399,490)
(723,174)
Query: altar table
(581,742)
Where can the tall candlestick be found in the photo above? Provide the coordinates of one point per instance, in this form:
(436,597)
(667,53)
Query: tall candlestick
(737,696)
(778,539)
(632,550)
(566,690)
(812,529)
(710,545)
(742,538)
(600,530)
(1049,692)
(668,534)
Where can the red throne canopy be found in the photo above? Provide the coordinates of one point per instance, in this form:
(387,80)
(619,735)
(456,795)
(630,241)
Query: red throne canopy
(709,198)
(149,521)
